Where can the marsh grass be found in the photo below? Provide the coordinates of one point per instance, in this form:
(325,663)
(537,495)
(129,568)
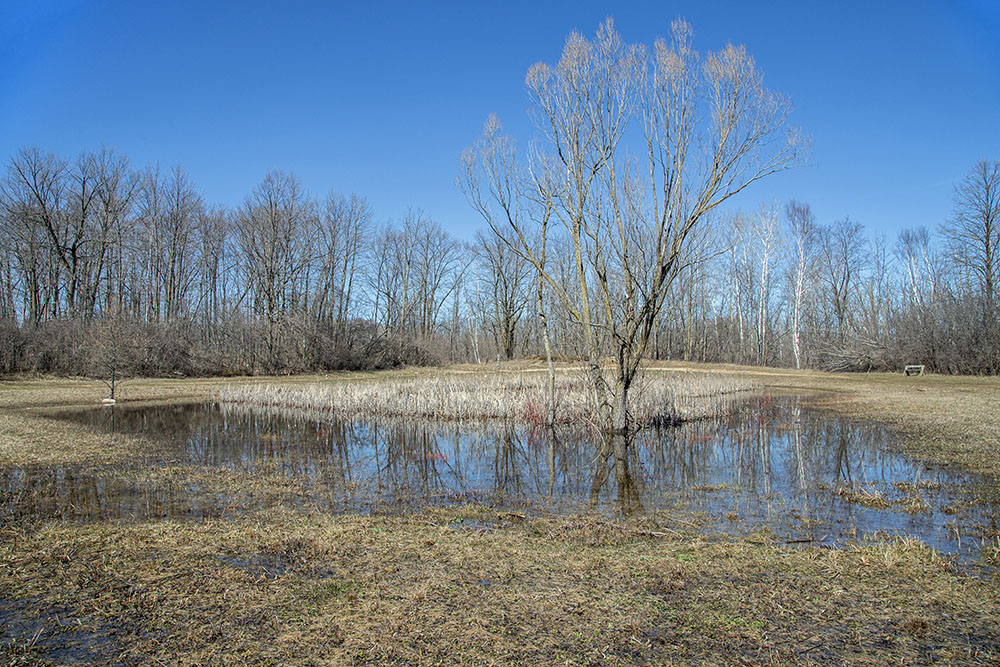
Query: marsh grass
(520,398)
(874,498)
(991,552)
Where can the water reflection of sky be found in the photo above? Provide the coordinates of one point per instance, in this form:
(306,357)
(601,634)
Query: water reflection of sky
(803,474)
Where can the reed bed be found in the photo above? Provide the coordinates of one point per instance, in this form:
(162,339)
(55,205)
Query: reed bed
(520,398)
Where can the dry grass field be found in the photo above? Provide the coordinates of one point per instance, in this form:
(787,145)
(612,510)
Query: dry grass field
(466,585)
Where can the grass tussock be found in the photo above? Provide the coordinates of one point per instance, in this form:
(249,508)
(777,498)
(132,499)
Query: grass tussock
(871,498)
(875,498)
(991,552)
(520,398)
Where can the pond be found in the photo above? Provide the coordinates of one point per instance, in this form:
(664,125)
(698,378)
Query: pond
(805,475)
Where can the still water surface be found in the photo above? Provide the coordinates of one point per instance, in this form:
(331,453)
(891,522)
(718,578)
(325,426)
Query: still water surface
(805,475)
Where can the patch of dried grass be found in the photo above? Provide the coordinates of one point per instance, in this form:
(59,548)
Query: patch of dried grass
(290,588)
(519,398)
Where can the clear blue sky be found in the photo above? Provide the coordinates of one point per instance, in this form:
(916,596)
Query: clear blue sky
(900,98)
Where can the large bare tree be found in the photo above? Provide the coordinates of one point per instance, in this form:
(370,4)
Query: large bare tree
(502,286)
(273,228)
(802,228)
(705,129)
(973,234)
(844,257)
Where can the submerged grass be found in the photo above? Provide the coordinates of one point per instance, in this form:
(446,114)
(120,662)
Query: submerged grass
(946,419)
(872,498)
(875,498)
(517,398)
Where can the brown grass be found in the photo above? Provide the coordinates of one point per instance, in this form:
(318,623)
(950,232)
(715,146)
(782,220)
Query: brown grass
(463,585)
(519,398)
(872,498)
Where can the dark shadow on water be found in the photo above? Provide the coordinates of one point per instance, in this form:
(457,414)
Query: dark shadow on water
(807,476)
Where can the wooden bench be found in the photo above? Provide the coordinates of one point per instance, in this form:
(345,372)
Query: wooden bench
(914,369)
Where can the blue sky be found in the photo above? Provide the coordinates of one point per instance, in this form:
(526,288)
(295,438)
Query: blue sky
(379,98)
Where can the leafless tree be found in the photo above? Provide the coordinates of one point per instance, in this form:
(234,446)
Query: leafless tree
(973,233)
(417,269)
(272,230)
(22,238)
(913,252)
(182,213)
(803,231)
(767,247)
(709,130)
(75,240)
(438,271)
(214,266)
(843,257)
(116,196)
(389,276)
(113,350)
(743,277)
(503,286)
(685,319)
(170,211)
(344,225)
(878,293)
(34,201)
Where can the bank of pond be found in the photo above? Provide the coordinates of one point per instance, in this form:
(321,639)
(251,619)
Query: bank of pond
(773,464)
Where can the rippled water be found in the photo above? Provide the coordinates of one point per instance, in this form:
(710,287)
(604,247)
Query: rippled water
(805,475)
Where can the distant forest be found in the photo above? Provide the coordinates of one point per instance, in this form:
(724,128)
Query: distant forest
(105,266)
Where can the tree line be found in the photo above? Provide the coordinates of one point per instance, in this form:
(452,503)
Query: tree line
(103,263)
(783,289)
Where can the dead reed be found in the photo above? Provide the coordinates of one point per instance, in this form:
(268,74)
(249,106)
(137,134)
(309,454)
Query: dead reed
(521,398)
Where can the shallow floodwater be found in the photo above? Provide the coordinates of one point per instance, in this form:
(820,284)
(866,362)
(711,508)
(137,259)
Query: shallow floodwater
(804,475)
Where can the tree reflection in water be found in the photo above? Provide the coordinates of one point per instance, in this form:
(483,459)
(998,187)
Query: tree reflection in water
(773,462)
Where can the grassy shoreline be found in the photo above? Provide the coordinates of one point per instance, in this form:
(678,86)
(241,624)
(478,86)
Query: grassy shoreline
(950,420)
(290,584)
